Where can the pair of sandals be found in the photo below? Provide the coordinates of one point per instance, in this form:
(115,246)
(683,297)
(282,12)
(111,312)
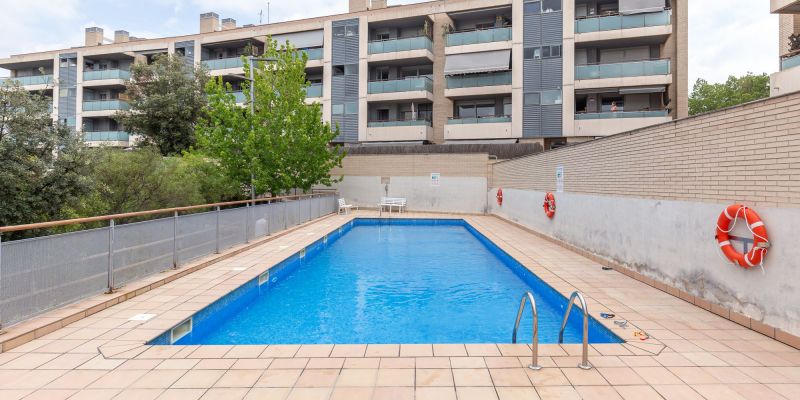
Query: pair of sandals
(642,335)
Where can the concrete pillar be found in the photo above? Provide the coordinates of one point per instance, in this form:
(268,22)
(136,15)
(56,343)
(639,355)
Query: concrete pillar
(79,95)
(363,76)
(327,71)
(568,62)
(517,73)
(442,106)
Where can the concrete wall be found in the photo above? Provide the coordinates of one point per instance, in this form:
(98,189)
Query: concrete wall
(650,199)
(462,187)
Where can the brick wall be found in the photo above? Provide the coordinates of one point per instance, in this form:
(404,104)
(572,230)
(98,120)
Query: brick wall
(749,153)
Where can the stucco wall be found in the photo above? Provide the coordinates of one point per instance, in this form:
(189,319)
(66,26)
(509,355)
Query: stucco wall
(649,200)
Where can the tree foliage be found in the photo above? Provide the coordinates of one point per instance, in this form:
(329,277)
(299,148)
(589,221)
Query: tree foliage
(166,99)
(283,144)
(43,165)
(707,96)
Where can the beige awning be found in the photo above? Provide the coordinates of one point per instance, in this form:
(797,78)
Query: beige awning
(473,63)
(302,40)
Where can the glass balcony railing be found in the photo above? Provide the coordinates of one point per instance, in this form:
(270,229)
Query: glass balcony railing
(30,80)
(104,105)
(479,80)
(405,122)
(622,114)
(106,136)
(405,44)
(615,22)
(240,96)
(401,85)
(479,120)
(622,70)
(314,90)
(479,36)
(790,62)
(315,53)
(106,74)
(224,63)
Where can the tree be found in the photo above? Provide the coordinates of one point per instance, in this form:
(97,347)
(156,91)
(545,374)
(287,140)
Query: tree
(707,97)
(283,144)
(166,99)
(44,166)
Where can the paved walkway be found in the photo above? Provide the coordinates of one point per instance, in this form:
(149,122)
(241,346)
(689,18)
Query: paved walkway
(692,353)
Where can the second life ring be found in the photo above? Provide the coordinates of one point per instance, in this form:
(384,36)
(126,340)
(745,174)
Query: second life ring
(549,205)
(725,223)
(500,196)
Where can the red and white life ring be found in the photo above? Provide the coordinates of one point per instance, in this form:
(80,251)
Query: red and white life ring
(549,205)
(500,196)
(726,222)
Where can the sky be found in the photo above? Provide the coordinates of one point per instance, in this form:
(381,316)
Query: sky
(725,36)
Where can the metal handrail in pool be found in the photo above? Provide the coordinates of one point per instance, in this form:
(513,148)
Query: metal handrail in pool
(535,341)
(585,359)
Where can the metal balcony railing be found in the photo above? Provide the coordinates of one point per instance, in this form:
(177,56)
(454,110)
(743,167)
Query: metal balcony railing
(400,122)
(622,114)
(105,105)
(224,63)
(404,44)
(478,36)
(106,136)
(790,62)
(616,22)
(401,85)
(31,80)
(493,119)
(106,74)
(314,90)
(314,53)
(479,80)
(623,69)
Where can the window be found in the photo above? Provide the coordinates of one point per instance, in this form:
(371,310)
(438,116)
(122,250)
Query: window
(532,7)
(507,111)
(351,108)
(533,99)
(484,109)
(338,31)
(537,53)
(382,74)
(351,69)
(338,70)
(382,115)
(64,63)
(551,6)
(487,25)
(551,97)
(351,30)
(382,36)
(337,109)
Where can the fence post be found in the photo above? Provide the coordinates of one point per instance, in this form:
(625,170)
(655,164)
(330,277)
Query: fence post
(310,200)
(175,240)
(110,288)
(247,222)
(216,250)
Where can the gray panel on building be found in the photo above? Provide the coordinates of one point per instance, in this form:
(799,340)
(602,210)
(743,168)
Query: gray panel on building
(344,88)
(67,85)
(542,75)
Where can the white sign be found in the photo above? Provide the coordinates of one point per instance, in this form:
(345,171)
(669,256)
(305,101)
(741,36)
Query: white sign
(560,179)
(436,178)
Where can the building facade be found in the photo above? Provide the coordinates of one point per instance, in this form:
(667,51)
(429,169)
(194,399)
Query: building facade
(787,79)
(445,71)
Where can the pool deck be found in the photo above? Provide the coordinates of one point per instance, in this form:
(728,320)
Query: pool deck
(691,354)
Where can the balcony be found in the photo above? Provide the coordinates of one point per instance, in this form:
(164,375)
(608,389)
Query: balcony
(106,136)
(314,90)
(104,105)
(224,63)
(396,45)
(480,128)
(119,74)
(241,98)
(622,114)
(464,38)
(35,80)
(633,73)
(417,130)
(401,85)
(790,62)
(610,123)
(314,54)
(479,80)
(618,22)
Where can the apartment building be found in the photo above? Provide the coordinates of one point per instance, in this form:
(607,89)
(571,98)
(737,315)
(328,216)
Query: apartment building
(787,79)
(444,71)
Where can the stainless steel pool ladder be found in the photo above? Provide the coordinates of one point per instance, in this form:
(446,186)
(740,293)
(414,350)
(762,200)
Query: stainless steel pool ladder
(528,297)
(585,360)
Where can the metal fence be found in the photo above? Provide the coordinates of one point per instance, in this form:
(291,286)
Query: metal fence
(46,272)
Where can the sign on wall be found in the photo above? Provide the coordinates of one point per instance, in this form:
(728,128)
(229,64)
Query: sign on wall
(436,179)
(560,179)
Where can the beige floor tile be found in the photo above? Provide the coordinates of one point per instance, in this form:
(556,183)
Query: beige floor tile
(181,394)
(717,392)
(657,376)
(467,362)
(398,362)
(352,393)
(307,393)
(382,350)
(517,393)
(198,379)
(289,363)
(728,374)
(250,363)
(225,394)
(476,393)
(756,391)
(314,350)
(393,393)
(158,379)
(472,377)
(416,350)
(638,392)
(349,350)
(315,378)
(789,391)
(677,392)
(118,379)
(245,351)
(279,378)
(597,393)
(399,377)
(449,350)
(502,362)
(547,377)
(557,393)
(434,393)
(266,394)
(325,363)
(51,394)
(357,378)
(214,363)
(351,363)
(693,375)
(92,394)
(482,350)
(434,377)
(280,351)
(621,376)
(510,377)
(433,362)
(77,379)
(139,394)
(583,377)
(240,378)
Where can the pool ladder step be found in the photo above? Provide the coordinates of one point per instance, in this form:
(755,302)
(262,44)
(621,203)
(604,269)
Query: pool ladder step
(585,356)
(528,297)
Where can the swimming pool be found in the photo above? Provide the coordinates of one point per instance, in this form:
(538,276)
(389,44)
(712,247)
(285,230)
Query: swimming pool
(387,281)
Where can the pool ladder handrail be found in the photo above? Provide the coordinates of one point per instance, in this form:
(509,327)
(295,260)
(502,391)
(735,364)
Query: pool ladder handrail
(585,358)
(528,297)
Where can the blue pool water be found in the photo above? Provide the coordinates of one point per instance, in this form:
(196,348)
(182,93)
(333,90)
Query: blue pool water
(382,281)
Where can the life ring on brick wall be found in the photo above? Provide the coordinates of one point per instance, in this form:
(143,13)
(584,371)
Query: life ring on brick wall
(549,205)
(725,224)
(500,196)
